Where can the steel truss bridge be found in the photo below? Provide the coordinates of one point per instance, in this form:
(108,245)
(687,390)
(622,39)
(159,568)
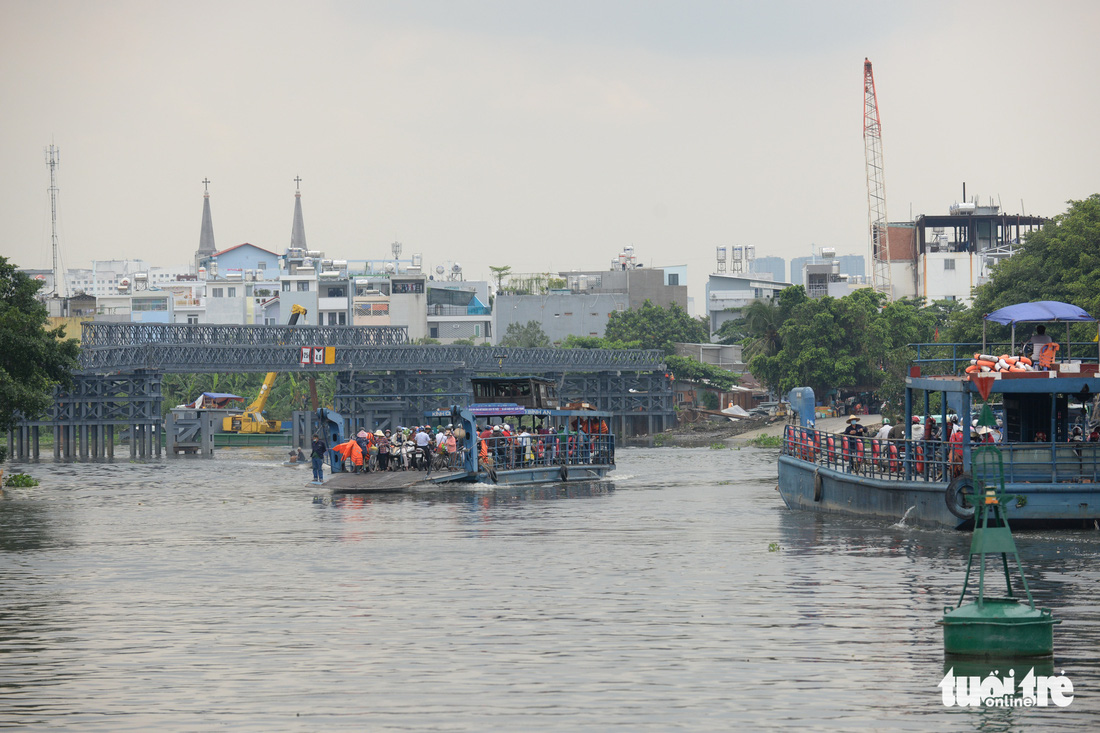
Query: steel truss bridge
(382,380)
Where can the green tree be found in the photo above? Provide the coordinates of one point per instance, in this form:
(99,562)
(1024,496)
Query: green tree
(526,335)
(595,342)
(500,272)
(691,370)
(33,359)
(656,328)
(831,343)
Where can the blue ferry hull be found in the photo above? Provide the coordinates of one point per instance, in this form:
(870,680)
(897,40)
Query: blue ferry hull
(809,486)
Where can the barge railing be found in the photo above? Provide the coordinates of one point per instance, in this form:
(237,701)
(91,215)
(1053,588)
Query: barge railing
(556,449)
(939,461)
(955,357)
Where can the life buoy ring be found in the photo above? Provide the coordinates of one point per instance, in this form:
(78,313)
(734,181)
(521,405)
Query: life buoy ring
(955,496)
(893,451)
(918,454)
(818,485)
(564,472)
(830,445)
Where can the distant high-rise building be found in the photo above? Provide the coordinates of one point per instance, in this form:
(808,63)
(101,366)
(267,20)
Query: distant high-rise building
(774,266)
(797,265)
(852,265)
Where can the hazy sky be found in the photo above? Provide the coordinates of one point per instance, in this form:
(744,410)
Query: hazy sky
(541,135)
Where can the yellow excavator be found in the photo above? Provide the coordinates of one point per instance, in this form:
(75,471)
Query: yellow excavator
(252,419)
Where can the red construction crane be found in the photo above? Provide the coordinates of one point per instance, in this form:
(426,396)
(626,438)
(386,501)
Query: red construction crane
(876,187)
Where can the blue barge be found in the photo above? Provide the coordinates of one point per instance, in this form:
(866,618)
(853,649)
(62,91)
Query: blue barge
(1056,482)
(545,443)
(1050,471)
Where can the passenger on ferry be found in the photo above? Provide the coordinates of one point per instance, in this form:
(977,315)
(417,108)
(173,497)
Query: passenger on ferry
(917,431)
(383,450)
(317,457)
(854,431)
(956,451)
(1037,341)
(883,432)
(897,432)
(524,443)
(1094,436)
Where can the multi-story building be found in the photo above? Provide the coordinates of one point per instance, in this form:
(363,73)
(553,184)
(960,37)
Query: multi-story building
(456,312)
(953,254)
(728,293)
(560,313)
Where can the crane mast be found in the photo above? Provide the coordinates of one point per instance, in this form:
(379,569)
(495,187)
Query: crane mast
(876,187)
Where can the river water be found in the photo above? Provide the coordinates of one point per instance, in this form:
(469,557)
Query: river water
(227,594)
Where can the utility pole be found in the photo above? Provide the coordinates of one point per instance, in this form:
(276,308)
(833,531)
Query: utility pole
(53,159)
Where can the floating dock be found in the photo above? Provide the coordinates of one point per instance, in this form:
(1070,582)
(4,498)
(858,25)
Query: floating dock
(376,482)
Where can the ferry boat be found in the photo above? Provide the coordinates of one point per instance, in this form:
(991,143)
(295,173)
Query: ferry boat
(1052,475)
(515,432)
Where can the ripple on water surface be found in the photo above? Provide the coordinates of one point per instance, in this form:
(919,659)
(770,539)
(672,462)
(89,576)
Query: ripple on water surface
(679,594)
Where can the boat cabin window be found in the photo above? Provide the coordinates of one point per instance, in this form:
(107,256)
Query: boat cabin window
(526,392)
(1028,414)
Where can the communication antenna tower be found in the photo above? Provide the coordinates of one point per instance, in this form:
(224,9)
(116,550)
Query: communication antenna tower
(396,249)
(876,187)
(53,159)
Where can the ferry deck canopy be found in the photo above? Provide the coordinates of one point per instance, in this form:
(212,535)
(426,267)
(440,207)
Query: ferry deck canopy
(1043,310)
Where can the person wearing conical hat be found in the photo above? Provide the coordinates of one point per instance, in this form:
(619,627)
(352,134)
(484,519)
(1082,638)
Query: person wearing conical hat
(854,431)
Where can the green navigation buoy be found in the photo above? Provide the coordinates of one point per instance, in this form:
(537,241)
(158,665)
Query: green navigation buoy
(991,626)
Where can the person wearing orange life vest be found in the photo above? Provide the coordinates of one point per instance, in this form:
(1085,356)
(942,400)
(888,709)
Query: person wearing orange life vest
(483,447)
(956,441)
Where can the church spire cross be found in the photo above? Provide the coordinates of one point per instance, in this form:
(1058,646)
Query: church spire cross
(206,185)
(297,183)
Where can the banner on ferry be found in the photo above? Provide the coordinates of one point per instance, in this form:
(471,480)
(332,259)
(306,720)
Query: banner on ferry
(316,355)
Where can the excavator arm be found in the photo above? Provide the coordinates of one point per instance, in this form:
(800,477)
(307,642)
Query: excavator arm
(252,420)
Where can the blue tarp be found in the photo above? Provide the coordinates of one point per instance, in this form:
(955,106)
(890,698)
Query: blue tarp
(1043,310)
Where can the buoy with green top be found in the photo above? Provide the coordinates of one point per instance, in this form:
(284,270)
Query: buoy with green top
(995,626)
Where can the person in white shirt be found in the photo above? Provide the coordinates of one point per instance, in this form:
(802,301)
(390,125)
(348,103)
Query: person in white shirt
(883,432)
(1037,341)
(918,429)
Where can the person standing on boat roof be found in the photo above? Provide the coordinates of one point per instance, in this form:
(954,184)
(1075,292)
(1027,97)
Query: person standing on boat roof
(1038,340)
(317,457)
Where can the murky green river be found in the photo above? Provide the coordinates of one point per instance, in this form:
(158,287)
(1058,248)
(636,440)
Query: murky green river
(227,594)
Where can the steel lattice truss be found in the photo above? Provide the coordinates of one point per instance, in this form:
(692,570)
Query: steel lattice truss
(118,399)
(402,398)
(116,347)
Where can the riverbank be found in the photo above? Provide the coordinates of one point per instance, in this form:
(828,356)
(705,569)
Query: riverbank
(741,432)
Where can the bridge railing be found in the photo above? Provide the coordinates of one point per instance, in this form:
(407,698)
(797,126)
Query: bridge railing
(208,348)
(125,335)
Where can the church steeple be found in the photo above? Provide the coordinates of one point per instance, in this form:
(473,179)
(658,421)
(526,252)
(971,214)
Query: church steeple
(298,227)
(206,234)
